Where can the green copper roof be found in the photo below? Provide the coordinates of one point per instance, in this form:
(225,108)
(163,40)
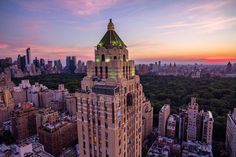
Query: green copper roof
(111,38)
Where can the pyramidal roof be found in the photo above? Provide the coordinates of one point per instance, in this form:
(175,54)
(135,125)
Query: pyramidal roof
(111,38)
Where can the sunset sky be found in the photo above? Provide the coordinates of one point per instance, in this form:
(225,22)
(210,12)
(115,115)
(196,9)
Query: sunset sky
(185,31)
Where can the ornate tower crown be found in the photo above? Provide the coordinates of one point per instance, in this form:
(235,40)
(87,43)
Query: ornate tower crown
(111,38)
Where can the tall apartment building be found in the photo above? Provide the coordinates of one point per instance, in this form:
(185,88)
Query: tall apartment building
(147,119)
(110,102)
(163,116)
(207,127)
(172,126)
(24,121)
(71,104)
(230,142)
(192,120)
(189,124)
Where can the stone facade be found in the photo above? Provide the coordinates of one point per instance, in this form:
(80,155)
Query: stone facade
(110,103)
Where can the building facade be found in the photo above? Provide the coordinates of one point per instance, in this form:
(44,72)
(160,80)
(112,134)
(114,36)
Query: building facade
(56,136)
(147,119)
(163,116)
(24,121)
(230,142)
(192,120)
(110,102)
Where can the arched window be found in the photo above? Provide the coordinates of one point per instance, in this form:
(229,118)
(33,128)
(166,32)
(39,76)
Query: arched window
(103,58)
(124,58)
(115,57)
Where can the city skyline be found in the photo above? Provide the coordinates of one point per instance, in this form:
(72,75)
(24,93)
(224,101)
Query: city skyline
(182,32)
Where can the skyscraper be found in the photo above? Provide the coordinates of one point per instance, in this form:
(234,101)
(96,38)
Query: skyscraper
(207,129)
(163,116)
(70,64)
(21,61)
(110,103)
(28,56)
(192,120)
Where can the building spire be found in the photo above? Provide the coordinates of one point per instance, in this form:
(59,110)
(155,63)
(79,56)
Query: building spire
(110,26)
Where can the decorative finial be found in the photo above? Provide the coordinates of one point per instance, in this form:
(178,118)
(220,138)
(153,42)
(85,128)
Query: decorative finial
(110,26)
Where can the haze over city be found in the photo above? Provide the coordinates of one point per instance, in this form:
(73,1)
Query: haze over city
(177,31)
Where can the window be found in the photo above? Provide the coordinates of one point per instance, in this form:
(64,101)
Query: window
(103,58)
(129,99)
(115,57)
(106,71)
(101,72)
(96,71)
(124,58)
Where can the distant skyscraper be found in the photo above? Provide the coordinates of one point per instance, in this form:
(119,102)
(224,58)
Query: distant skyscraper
(110,104)
(28,56)
(231,134)
(229,67)
(163,116)
(36,62)
(42,62)
(70,64)
(57,65)
(21,62)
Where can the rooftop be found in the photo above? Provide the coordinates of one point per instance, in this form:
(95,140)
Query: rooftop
(111,38)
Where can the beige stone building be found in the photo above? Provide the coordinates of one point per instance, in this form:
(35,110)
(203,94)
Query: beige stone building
(147,118)
(110,102)
(200,124)
(192,120)
(230,142)
(71,104)
(6,105)
(163,116)
(207,127)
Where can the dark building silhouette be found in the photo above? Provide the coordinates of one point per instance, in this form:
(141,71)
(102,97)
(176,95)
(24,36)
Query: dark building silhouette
(28,56)
(21,62)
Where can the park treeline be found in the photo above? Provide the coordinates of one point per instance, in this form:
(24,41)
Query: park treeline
(215,94)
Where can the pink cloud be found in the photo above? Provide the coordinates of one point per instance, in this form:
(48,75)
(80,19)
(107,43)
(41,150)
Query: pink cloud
(208,6)
(87,7)
(77,7)
(3,45)
(46,52)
